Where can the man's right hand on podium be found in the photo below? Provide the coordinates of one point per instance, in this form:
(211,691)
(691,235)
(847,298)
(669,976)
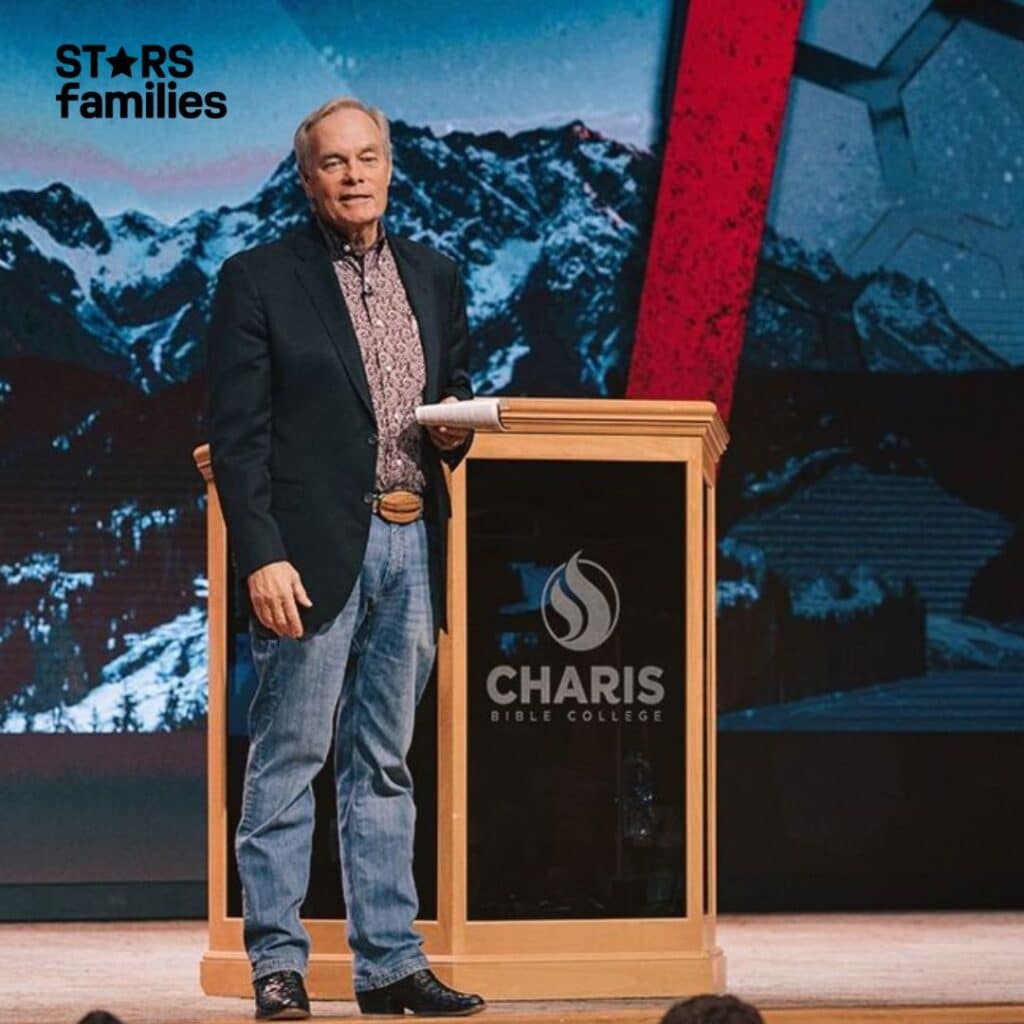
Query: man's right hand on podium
(273,589)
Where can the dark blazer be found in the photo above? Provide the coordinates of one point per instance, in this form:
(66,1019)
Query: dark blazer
(293,438)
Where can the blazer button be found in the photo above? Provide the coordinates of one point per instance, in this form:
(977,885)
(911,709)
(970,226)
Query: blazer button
(368,497)
(372,439)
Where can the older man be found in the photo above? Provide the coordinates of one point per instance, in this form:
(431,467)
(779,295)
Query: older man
(320,346)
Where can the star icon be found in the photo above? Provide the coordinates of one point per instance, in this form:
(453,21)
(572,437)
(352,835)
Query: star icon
(121,63)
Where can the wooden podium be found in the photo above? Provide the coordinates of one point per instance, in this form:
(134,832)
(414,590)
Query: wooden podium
(575,716)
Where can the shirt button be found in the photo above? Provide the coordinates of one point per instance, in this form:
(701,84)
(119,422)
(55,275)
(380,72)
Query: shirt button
(379,323)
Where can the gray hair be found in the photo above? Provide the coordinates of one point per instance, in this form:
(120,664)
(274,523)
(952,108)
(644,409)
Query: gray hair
(301,142)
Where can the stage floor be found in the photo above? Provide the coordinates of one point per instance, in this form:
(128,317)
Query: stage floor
(850,968)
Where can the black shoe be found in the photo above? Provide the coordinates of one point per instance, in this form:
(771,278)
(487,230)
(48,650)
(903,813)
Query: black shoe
(420,992)
(281,996)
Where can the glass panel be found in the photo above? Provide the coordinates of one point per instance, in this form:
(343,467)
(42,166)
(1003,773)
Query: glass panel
(324,899)
(576,699)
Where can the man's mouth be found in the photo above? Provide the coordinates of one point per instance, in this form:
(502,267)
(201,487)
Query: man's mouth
(348,199)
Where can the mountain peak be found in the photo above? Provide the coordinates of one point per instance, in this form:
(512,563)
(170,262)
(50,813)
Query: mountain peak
(68,218)
(135,224)
(578,129)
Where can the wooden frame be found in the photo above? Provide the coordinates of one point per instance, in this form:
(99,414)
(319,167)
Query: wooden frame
(522,959)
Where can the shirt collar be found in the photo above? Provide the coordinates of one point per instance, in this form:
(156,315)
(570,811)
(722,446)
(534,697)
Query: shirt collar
(339,246)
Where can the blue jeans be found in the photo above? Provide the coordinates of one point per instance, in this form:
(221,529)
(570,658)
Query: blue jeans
(360,676)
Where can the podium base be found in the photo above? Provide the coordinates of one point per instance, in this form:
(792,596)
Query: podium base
(506,977)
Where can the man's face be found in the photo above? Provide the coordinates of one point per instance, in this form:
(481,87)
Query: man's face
(347,174)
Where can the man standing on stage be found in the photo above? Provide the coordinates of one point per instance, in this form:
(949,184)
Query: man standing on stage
(320,346)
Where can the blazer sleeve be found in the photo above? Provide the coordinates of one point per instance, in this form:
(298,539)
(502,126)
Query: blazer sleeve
(458,383)
(239,418)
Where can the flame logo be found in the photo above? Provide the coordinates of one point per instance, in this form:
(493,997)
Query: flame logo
(585,607)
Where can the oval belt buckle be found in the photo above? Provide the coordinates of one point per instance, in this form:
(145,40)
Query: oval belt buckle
(399,506)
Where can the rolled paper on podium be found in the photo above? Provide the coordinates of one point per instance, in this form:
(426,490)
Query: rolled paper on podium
(474,413)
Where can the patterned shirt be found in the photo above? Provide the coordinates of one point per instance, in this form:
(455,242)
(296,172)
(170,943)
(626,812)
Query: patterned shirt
(389,340)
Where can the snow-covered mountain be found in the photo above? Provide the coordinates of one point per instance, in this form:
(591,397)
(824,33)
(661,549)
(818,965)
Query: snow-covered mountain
(158,684)
(549,226)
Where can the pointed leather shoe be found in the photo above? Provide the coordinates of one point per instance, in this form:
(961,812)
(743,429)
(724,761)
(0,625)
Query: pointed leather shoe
(281,996)
(420,992)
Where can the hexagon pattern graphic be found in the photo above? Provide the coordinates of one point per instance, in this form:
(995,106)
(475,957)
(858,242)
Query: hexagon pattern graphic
(922,166)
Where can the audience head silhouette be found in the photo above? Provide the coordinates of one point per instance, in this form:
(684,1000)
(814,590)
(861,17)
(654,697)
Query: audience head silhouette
(712,1010)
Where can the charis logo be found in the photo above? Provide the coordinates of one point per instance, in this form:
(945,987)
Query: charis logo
(153,92)
(587,604)
(579,606)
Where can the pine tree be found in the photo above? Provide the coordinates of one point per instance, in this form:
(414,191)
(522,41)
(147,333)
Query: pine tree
(170,717)
(126,718)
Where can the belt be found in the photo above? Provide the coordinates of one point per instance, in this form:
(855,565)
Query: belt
(398,506)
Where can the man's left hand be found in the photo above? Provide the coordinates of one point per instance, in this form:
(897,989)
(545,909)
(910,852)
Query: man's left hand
(448,437)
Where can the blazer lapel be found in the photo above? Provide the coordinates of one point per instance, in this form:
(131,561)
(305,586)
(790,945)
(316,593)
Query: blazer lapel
(319,279)
(417,280)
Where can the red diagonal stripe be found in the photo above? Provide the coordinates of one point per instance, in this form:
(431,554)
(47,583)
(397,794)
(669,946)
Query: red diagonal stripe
(722,139)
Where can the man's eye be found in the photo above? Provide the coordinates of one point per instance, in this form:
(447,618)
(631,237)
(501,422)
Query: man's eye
(371,159)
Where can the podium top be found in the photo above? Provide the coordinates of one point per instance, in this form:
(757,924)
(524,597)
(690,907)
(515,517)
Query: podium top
(657,417)
(651,416)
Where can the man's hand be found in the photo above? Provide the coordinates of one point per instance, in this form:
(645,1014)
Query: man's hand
(274,589)
(448,437)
